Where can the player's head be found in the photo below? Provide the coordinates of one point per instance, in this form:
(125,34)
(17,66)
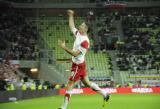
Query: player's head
(83,28)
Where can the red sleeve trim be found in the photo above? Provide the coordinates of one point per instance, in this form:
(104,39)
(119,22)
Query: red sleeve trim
(85,44)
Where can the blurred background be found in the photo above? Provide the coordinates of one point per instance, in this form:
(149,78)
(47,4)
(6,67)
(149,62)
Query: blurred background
(124,51)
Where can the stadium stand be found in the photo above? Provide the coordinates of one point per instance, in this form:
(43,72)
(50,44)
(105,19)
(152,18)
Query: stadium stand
(18,37)
(138,56)
(139,53)
(124,51)
(17,42)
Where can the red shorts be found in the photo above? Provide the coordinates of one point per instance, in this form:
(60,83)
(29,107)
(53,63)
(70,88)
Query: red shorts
(78,71)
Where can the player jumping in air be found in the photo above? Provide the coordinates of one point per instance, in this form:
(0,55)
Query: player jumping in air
(78,70)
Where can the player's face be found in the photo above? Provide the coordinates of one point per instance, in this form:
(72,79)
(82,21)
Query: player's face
(82,28)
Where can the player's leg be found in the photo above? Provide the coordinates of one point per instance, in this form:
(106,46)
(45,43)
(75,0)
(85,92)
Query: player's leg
(95,87)
(74,77)
(67,95)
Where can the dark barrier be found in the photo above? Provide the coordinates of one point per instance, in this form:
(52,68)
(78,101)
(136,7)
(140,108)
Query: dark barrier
(6,96)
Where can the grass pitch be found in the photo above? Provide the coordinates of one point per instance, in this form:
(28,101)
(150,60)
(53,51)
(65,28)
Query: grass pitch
(117,101)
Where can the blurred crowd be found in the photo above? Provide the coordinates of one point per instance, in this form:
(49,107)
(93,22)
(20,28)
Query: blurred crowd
(8,74)
(102,29)
(12,79)
(18,36)
(18,39)
(142,62)
(141,32)
(141,45)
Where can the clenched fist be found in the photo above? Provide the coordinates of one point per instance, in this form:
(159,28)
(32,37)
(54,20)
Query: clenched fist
(70,12)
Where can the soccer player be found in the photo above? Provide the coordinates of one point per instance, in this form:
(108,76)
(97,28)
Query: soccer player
(78,70)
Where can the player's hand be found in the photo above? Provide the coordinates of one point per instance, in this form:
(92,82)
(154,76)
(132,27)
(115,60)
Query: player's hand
(61,43)
(70,12)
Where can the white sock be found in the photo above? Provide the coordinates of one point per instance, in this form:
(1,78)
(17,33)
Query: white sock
(66,100)
(96,88)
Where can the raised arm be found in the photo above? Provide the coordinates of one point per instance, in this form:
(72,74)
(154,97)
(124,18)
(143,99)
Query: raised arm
(71,20)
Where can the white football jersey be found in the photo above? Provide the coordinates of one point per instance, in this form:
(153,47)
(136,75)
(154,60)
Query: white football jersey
(81,43)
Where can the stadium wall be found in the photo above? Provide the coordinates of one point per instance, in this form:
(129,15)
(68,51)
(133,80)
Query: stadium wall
(6,96)
(50,73)
(25,63)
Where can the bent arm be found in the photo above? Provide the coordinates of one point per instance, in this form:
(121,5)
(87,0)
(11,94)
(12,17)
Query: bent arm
(71,52)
